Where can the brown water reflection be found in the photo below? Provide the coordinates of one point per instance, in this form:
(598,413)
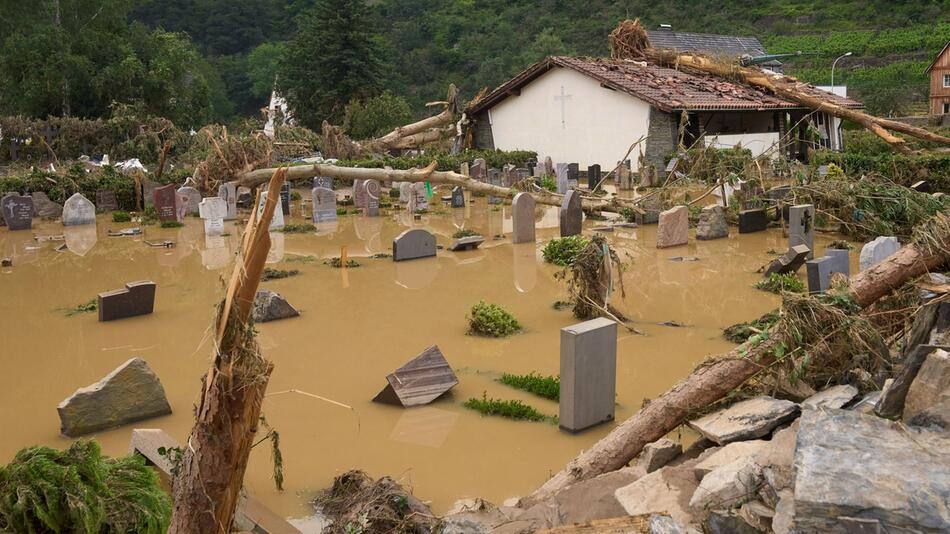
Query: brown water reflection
(356,326)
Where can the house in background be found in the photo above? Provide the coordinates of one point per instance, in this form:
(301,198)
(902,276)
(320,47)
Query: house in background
(939,72)
(589,111)
(730,47)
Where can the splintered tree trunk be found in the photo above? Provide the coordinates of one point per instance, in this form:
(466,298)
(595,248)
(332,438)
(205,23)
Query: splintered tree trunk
(206,489)
(715,379)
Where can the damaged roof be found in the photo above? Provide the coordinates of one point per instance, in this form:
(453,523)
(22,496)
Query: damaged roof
(665,88)
(730,45)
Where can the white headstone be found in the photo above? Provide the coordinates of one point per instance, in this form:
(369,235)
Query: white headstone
(277,221)
(78,210)
(877,251)
(228,192)
(213,210)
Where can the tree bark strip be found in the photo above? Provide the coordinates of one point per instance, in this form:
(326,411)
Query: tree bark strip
(716,378)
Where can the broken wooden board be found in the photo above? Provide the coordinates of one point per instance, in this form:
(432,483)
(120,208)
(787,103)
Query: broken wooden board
(424,379)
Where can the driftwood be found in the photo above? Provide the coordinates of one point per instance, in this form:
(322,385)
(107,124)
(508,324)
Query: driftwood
(205,491)
(720,375)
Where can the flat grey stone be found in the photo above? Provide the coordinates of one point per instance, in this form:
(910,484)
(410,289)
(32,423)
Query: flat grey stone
(467,243)
(665,491)
(659,453)
(727,485)
(833,397)
(744,420)
(877,251)
(790,262)
(271,306)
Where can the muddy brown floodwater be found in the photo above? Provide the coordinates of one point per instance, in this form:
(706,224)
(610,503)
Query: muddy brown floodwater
(356,326)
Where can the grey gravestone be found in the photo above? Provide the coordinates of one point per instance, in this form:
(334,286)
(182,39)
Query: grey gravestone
(136,298)
(538,171)
(522,219)
(412,244)
(877,251)
(548,166)
(588,374)
(479,170)
(562,182)
(228,192)
(405,192)
(458,197)
(191,197)
(508,175)
(494,178)
(840,261)
(372,191)
(78,210)
(165,200)
(277,220)
(573,175)
(17,211)
(148,191)
(790,262)
(45,208)
(324,204)
(754,220)
(593,176)
(801,227)
(712,223)
(106,201)
(521,174)
(466,243)
(359,194)
(285,198)
(419,201)
(819,274)
(571,215)
(323,181)
(212,210)
(422,380)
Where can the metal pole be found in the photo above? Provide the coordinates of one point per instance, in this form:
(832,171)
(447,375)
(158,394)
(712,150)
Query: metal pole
(846,54)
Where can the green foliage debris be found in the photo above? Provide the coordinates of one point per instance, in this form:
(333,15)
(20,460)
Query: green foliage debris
(778,283)
(277,274)
(491,320)
(85,307)
(512,409)
(563,251)
(305,228)
(337,263)
(548,387)
(741,332)
(464,232)
(121,216)
(172,224)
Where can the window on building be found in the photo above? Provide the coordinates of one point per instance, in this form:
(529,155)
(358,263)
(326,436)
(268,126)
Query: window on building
(946,80)
(946,108)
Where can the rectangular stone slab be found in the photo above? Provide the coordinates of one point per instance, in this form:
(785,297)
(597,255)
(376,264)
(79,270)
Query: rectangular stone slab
(801,227)
(413,244)
(819,274)
(754,220)
(137,298)
(17,212)
(588,374)
(467,243)
(420,381)
(593,176)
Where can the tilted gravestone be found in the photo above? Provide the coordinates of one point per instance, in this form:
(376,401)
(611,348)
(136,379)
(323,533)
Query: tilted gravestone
(458,197)
(877,251)
(285,198)
(819,274)
(790,262)
(588,374)
(136,298)
(412,244)
(466,243)
(191,198)
(372,191)
(17,211)
(593,176)
(712,223)
(673,229)
(571,216)
(754,220)
(277,221)
(420,381)
(573,175)
(324,204)
(78,210)
(45,208)
(522,218)
(479,170)
(213,210)
(106,201)
(165,200)
(801,227)
(562,181)
(228,192)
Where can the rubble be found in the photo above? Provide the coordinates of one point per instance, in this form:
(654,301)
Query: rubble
(271,306)
(744,420)
(659,453)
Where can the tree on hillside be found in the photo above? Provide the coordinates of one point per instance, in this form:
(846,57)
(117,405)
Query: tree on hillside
(333,58)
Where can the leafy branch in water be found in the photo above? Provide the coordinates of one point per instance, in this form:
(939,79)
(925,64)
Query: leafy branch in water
(563,251)
(276,456)
(86,307)
(778,283)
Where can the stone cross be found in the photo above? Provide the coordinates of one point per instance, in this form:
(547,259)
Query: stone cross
(563,98)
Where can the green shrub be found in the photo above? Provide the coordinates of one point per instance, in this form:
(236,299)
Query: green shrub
(563,251)
(491,320)
(444,160)
(121,216)
(548,387)
(512,409)
(277,274)
(464,232)
(171,224)
(79,490)
(777,283)
(549,183)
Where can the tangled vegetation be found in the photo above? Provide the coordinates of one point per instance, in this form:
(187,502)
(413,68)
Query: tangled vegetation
(80,490)
(357,504)
(741,332)
(445,161)
(277,274)
(171,224)
(464,232)
(512,409)
(491,320)
(548,387)
(304,228)
(562,251)
(121,216)
(337,263)
(779,283)
(86,307)
(590,280)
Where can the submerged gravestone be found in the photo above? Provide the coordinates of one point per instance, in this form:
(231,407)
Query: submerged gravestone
(212,211)
(271,306)
(561,177)
(819,274)
(673,229)
(277,220)
(106,201)
(324,203)
(130,393)
(801,227)
(466,243)
(228,192)
(78,210)
(571,216)
(165,200)
(753,220)
(420,381)
(588,374)
(790,262)
(372,191)
(285,198)
(17,211)
(479,170)
(191,197)
(877,251)
(458,197)
(45,208)
(573,175)
(839,260)
(522,218)
(412,244)
(136,298)
(712,223)
(593,176)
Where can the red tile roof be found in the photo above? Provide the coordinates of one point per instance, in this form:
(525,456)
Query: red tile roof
(665,88)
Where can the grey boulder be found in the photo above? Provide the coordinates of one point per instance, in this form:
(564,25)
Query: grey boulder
(45,208)
(271,306)
(744,420)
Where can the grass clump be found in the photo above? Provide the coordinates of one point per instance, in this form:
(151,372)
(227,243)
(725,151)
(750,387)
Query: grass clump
(741,332)
(548,387)
(80,490)
(277,274)
(464,233)
(172,224)
(512,409)
(779,283)
(298,228)
(491,320)
(549,183)
(121,216)
(338,264)
(564,250)
(85,307)
(301,259)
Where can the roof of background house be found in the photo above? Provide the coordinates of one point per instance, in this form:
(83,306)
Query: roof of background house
(709,43)
(934,62)
(665,88)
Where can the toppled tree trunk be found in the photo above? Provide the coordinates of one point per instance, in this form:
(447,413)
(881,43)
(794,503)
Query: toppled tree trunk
(720,375)
(207,487)
(629,41)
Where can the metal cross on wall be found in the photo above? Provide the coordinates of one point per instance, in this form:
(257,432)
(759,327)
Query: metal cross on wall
(563,98)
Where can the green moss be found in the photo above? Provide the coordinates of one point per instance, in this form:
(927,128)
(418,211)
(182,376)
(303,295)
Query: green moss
(777,283)
(464,233)
(337,263)
(171,224)
(564,250)
(491,320)
(121,216)
(548,387)
(277,274)
(305,228)
(741,332)
(512,409)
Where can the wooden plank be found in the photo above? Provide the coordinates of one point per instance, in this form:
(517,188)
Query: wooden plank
(420,381)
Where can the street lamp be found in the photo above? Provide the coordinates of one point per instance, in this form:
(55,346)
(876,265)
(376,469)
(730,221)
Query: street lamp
(846,54)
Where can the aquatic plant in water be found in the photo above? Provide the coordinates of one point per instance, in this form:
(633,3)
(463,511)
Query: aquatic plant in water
(491,320)
(777,283)
(512,409)
(121,216)
(464,232)
(276,274)
(548,387)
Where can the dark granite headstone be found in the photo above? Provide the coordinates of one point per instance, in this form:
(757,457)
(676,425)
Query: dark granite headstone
(922,186)
(573,175)
(412,244)
(17,211)
(754,220)
(106,201)
(494,178)
(593,176)
(137,298)
(285,198)
(571,214)
(458,197)
(789,262)
(165,200)
(819,274)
